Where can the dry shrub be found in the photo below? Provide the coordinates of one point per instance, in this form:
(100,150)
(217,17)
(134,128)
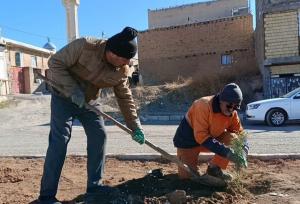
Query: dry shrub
(178,95)
(178,84)
(211,84)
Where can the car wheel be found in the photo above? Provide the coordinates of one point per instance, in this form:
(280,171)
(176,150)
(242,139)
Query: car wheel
(276,117)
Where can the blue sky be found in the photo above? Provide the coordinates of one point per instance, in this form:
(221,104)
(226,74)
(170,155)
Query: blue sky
(31,21)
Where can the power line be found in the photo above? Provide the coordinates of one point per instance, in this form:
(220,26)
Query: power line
(29,33)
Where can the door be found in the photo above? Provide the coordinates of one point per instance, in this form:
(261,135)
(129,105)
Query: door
(295,106)
(18,85)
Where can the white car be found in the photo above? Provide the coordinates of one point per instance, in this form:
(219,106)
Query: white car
(276,111)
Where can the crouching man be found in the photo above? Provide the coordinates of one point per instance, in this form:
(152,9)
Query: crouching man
(209,126)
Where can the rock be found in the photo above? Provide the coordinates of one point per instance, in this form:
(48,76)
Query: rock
(218,196)
(122,179)
(177,197)
(156,173)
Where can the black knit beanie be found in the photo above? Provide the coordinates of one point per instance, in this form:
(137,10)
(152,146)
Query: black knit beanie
(123,44)
(231,93)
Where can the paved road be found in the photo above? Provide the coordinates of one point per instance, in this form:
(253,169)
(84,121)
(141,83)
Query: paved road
(24,132)
(33,141)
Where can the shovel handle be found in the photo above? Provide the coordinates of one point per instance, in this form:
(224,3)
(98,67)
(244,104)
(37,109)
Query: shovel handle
(166,155)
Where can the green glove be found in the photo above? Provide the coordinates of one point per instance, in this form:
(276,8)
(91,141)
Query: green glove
(138,136)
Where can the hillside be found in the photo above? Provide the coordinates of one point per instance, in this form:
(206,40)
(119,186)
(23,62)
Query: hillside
(179,95)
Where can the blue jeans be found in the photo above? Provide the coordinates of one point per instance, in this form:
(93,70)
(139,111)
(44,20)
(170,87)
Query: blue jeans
(63,112)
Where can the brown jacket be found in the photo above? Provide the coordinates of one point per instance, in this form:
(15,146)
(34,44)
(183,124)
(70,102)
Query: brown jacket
(82,63)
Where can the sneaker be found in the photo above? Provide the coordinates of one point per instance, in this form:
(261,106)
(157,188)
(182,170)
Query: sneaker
(48,200)
(217,172)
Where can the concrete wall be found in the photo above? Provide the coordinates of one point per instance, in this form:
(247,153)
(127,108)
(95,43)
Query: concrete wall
(193,13)
(195,50)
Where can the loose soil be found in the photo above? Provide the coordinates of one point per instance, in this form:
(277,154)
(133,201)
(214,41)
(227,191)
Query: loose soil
(275,181)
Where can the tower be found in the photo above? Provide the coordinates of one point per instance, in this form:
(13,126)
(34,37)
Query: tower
(72,18)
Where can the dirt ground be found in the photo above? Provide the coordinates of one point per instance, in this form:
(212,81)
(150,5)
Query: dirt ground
(275,181)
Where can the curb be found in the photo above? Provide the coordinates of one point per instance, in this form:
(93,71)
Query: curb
(157,157)
(161,117)
(202,157)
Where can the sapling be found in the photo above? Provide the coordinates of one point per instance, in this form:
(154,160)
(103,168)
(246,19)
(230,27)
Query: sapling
(238,145)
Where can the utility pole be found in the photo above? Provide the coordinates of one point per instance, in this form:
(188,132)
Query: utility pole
(72,18)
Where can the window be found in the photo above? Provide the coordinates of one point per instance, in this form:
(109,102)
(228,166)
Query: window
(33,61)
(297,96)
(18,59)
(226,59)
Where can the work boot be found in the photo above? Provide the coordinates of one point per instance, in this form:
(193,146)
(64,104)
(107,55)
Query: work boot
(48,200)
(217,172)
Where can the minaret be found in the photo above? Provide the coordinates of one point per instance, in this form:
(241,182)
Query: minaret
(72,18)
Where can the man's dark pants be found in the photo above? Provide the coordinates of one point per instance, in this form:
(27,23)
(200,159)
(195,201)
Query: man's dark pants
(63,112)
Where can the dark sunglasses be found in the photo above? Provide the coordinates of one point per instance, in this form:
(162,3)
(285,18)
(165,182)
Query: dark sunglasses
(233,106)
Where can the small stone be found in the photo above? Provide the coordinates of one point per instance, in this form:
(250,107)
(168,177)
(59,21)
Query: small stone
(273,194)
(177,197)
(218,196)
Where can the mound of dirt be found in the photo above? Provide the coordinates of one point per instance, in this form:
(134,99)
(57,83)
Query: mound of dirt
(263,182)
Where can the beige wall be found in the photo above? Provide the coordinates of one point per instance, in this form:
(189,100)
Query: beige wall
(195,50)
(285,69)
(42,58)
(193,13)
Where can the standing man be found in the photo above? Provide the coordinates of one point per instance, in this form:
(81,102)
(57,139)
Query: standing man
(82,68)
(209,126)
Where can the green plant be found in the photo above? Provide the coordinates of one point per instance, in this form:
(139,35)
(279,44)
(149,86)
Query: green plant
(238,145)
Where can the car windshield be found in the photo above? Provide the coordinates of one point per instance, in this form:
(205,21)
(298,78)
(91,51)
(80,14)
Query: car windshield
(288,95)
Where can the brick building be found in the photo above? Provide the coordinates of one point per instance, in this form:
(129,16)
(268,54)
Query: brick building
(196,12)
(277,45)
(19,60)
(194,50)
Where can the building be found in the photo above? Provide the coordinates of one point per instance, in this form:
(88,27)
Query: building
(277,45)
(18,61)
(196,12)
(197,50)
(4,82)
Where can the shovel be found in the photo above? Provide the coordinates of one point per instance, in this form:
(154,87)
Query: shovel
(203,179)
